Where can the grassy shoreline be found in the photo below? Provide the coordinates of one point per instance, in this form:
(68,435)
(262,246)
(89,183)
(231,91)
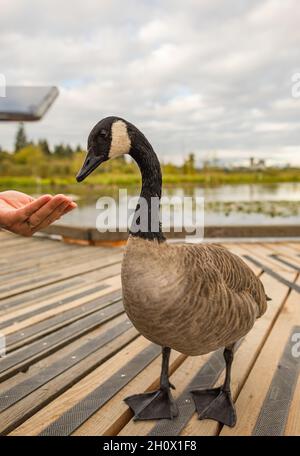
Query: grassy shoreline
(205,178)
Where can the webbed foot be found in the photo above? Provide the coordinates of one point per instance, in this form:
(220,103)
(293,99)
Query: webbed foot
(154,405)
(215,404)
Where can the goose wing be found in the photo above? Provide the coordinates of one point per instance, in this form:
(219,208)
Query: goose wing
(237,275)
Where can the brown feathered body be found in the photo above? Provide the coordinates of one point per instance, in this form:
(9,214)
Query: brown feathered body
(194,298)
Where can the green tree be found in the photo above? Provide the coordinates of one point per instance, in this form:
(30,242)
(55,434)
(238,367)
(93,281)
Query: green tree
(189,164)
(4,155)
(31,158)
(68,151)
(170,168)
(76,162)
(44,146)
(60,150)
(21,138)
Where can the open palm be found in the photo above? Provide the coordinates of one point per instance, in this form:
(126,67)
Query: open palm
(22,214)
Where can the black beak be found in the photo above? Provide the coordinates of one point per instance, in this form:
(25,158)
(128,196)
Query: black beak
(91,162)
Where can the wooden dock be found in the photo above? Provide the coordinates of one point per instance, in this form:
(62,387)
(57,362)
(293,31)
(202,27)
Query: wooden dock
(73,356)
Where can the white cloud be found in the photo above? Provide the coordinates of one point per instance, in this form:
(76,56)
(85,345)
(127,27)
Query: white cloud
(276,127)
(199,76)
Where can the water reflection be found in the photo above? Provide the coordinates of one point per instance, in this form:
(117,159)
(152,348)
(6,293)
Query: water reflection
(227,204)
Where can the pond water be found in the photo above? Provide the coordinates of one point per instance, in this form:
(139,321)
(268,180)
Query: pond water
(247,204)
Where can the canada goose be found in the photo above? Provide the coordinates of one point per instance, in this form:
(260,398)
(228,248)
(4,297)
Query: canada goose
(194,298)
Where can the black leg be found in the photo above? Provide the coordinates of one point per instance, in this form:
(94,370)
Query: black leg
(157,404)
(216,403)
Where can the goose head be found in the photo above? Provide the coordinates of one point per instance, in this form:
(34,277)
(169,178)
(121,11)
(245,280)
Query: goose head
(108,139)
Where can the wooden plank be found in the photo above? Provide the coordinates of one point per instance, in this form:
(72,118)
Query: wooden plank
(15,302)
(44,263)
(32,383)
(80,390)
(293,423)
(47,308)
(6,234)
(287,261)
(275,409)
(14,240)
(30,414)
(11,319)
(283,250)
(44,279)
(64,291)
(24,250)
(45,327)
(44,268)
(70,421)
(295,246)
(31,252)
(40,259)
(113,284)
(67,349)
(263,254)
(115,414)
(278,276)
(28,252)
(24,409)
(251,398)
(25,356)
(57,291)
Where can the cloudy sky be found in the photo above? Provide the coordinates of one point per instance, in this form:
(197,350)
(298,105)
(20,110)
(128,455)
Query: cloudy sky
(210,76)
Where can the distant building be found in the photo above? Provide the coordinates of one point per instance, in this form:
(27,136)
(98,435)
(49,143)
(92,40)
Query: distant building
(257,164)
(261,164)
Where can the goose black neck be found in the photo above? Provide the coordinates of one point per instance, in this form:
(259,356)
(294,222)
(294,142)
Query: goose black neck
(146,221)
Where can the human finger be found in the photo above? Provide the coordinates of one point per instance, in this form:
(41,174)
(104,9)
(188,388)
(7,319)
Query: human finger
(53,216)
(70,207)
(25,212)
(45,211)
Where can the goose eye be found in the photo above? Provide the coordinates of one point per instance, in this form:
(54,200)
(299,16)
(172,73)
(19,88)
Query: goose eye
(103,133)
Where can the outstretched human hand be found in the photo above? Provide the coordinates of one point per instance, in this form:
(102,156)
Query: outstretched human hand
(22,214)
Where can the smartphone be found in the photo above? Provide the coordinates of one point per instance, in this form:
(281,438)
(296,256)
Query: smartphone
(26,103)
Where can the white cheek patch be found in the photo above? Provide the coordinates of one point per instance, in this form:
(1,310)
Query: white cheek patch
(120,141)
